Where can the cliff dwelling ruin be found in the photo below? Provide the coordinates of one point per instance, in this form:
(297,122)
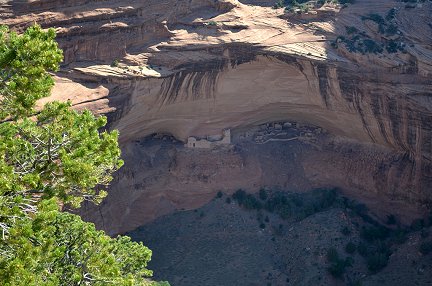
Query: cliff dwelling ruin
(210,141)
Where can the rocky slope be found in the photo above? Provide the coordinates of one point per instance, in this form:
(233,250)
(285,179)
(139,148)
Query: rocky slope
(194,68)
(256,247)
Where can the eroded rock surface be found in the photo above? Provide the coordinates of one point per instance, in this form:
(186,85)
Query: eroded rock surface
(194,68)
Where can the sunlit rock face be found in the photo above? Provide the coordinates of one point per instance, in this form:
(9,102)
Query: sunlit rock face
(195,68)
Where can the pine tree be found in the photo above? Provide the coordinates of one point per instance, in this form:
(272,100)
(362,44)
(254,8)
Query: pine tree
(50,161)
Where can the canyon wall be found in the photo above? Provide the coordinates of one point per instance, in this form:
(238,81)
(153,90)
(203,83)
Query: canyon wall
(194,68)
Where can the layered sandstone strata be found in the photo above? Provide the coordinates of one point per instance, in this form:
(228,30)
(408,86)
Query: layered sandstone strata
(195,68)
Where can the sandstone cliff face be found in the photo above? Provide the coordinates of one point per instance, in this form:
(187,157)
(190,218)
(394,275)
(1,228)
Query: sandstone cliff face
(193,68)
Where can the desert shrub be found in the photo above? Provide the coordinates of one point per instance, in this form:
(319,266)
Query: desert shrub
(247,201)
(239,196)
(279,4)
(228,200)
(251,203)
(299,6)
(338,266)
(371,233)
(370,46)
(417,224)
(346,230)
(375,18)
(348,203)
(284,211)
(302,205)
(337,269)
(359,41)
(327,198)
(363,249)
(263,195)
(359,208)
(391,30)
(275,202)
(391,14)
(377,261)
(351,30)
(382,247)
(115,63)
(332,255)
(391,219)
(430,213)
(399,236)
(219,195)
(310,209)
(343,2)
(350,248)
(376,254)
(297,200)
(426,247)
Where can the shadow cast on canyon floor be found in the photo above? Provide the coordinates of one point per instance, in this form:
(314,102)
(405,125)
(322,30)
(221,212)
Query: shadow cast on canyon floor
(279,238)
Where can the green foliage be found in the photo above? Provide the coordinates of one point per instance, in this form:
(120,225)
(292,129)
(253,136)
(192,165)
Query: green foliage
(399,236)
(61,249)
(288,205)
(391,220)
(386,26)
(115,63)
(375,18)
(363,249)
(371,233)
(377,252)
(279,4)
(391,14)
(302,205)
(248,201)
(426,247)
(303,6)
(61,153)
(351,30)
(51,161)
(338,266)
(359,41)
(332,254)
(350,248)
(370,46)
(25,61)
(346,230)
(377,261)
(417,224)
(263,195)
(212,23)
(391,30)
(239,196)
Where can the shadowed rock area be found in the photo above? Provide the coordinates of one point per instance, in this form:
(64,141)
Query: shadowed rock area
(161,175)
(352,84)
(258,247)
